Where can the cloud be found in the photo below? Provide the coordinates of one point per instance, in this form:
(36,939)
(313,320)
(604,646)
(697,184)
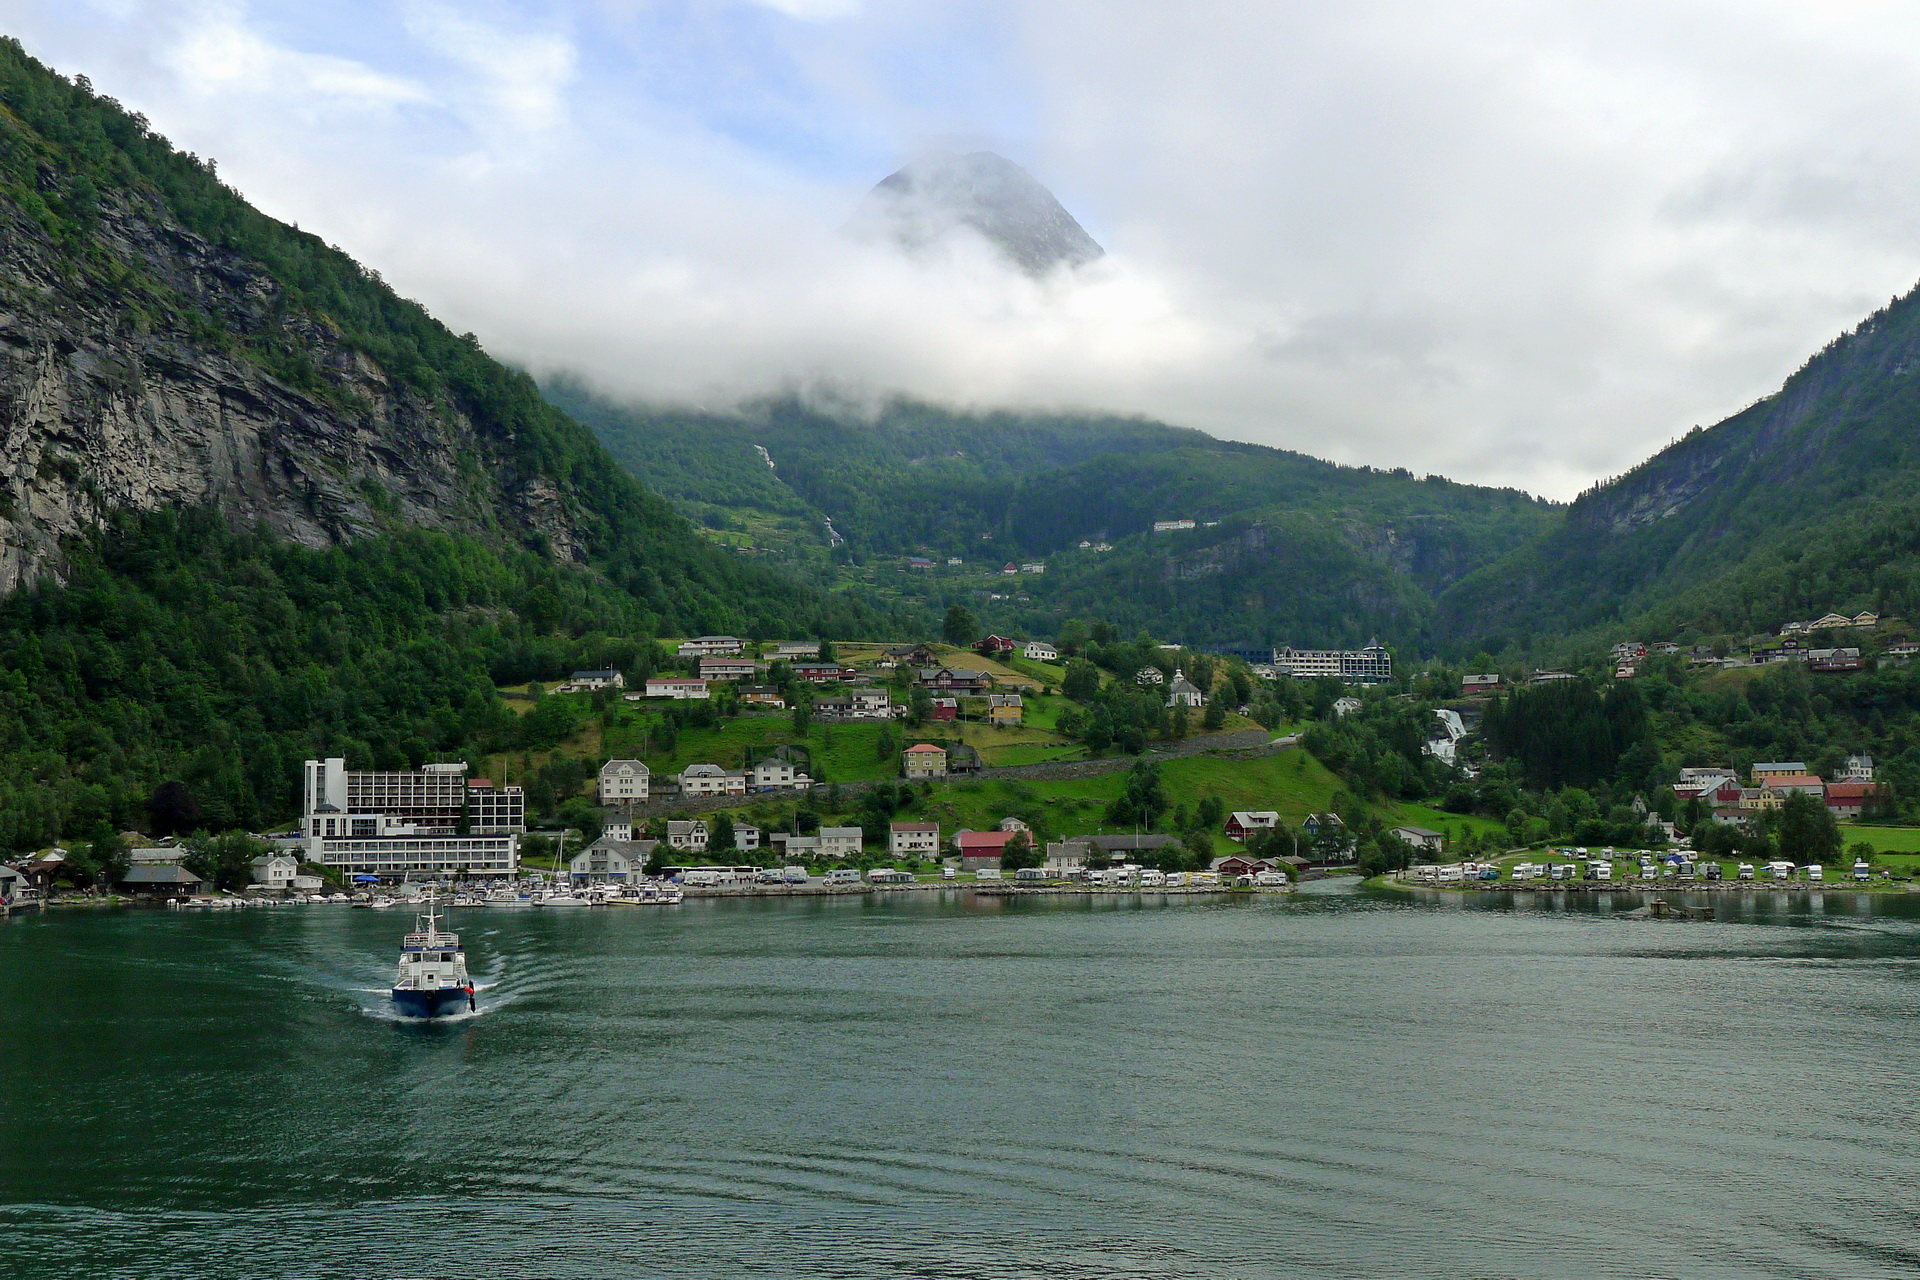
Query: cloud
(524,74)
(1512,243)
(218,53)
(813,10)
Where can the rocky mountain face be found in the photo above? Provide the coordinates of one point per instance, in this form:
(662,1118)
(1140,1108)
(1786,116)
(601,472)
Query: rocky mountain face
(930,199)
(129,378)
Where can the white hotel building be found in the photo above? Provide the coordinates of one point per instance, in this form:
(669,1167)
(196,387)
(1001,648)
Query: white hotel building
(429,821)
(1371,665)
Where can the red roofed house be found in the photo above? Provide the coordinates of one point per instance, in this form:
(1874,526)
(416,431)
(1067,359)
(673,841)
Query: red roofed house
(996,646)
(981,848)
(1848,799)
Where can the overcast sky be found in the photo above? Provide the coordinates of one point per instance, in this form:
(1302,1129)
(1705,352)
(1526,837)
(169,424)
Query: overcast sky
(1516,244)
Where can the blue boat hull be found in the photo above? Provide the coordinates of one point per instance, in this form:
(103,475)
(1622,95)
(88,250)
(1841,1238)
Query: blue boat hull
(430,1004)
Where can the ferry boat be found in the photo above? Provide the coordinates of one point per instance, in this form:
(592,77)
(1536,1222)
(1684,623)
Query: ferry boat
(432,981)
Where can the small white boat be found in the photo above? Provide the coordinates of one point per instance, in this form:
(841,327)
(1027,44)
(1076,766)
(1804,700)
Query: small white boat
(381,903)
(432,978)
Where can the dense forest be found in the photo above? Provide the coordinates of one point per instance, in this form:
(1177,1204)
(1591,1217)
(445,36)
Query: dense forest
(184,651)
(1286,548)
(1804,503)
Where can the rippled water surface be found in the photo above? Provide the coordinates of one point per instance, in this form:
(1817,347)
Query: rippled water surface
(932,1086)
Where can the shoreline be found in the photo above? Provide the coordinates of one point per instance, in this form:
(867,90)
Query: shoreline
(1648,886)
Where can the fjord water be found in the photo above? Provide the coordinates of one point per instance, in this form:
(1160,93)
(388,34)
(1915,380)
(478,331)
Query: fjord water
(929,1085)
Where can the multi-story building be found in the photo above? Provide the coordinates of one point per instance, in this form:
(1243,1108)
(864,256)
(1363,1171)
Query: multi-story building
(918,840)
(430,821)
(1371,665)
(722,668)
(840,842)
(924,760)
(624,782)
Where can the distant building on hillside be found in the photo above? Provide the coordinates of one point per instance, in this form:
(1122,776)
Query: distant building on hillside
(1371,665)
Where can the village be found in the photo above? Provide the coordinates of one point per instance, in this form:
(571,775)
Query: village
(810,766)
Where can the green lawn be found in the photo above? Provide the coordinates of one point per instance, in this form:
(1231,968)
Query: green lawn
(846,751)
(1294,783)
(1885,839)
(1447,824)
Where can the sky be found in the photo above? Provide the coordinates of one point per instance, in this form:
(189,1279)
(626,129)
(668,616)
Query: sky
(1516,244)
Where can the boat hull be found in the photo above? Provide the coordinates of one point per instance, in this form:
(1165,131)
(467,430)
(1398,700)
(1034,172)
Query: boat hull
(437,1003)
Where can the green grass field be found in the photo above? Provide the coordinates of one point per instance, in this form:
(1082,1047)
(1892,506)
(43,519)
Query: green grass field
(1884,839)
(1447,824)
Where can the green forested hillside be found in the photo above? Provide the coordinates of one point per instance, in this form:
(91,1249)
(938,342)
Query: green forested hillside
(1285,548)
(173,667)
(1804,503)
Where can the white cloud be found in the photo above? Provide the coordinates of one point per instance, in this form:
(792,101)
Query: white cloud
(524,74)
(217,52)
(813,10)
(1513,243)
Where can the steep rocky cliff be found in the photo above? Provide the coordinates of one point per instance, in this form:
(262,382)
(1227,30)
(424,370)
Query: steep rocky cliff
(131,376)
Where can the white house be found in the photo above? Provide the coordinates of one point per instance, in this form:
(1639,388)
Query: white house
(588,681)
(684,688)
(720,668)
(704,646)
(840,842)
(1149,675)
(792,649)
(1858,768)
(1420,838)
(687,837)
(1346,706)
(711,780)
(624,782)
(746,837)
(1040,651)
(775,774)
(282,871)
(920,840)
(612,860)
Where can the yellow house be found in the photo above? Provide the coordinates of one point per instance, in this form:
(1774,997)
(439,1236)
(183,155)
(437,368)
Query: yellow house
(1005,709)
(1777,769)
(1761,798)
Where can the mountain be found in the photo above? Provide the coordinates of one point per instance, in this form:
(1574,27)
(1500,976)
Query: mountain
(254,505)
(1803,503)
(1284,547)
(935,196)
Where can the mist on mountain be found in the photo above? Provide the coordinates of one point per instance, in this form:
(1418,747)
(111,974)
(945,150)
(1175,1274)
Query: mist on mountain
(943,194)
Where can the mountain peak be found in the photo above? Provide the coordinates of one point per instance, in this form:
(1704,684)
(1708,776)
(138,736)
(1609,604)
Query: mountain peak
(927,200)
